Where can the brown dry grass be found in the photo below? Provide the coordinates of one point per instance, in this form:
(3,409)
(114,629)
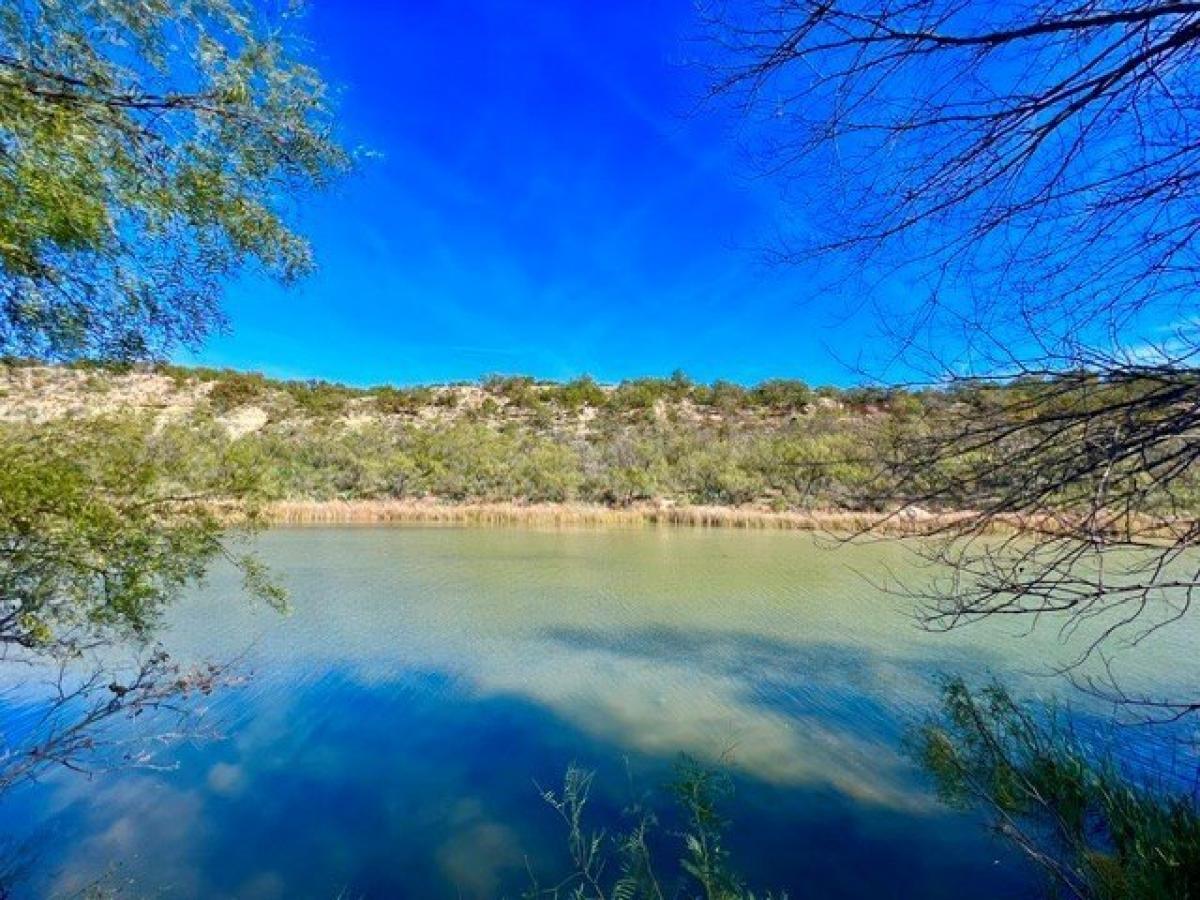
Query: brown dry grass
(329,512)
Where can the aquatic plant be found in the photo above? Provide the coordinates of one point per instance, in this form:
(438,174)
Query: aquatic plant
(621,865)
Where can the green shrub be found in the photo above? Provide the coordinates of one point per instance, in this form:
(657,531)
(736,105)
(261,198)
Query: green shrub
(320,398)
(783,394)
(623,866)
(518,390)
(396,401)
(548,472)
(638,394)
(727,396)
(578,393)
(237,389)
(715,474)
(1099,830)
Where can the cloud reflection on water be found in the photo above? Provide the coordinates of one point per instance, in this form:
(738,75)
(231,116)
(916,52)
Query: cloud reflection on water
(395,721)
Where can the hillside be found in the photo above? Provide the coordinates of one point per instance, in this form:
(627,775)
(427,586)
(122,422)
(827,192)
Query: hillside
(779,445)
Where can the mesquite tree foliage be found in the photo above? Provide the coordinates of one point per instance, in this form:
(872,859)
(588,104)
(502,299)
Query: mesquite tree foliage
(97,536)
(148,150)
(1093,826)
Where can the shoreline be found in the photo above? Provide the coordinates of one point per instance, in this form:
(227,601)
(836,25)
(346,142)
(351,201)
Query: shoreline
(559,515)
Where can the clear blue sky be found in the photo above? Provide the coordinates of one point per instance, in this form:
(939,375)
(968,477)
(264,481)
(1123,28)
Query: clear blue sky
(546,199)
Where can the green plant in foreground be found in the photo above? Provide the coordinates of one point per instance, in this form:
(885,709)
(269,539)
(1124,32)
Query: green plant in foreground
(1094,830)
(150,152)
(99,537)
(621,866)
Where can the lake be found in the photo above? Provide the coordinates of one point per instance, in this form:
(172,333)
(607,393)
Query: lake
(395,726)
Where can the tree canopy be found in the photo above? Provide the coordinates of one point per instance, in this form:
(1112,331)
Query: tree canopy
(148,150)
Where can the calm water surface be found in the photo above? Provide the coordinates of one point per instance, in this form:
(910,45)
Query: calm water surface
(389,741)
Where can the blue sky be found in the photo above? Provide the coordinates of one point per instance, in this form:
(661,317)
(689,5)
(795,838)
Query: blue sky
(546,198)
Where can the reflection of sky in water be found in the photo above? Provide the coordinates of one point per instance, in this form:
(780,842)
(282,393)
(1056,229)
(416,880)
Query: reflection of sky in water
(388,742)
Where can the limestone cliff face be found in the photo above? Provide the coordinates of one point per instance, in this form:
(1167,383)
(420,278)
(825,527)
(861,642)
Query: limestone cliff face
(245,403)
(41,393)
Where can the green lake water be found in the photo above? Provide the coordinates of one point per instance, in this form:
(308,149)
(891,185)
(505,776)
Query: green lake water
(395,725)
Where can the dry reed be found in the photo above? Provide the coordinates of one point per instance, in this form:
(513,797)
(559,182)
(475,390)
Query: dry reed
(329,512)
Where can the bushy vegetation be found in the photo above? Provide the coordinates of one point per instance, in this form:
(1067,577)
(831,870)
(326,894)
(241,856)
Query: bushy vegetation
(1095,829)
(238,389)
(544,450)
(778,445)
(104,523)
